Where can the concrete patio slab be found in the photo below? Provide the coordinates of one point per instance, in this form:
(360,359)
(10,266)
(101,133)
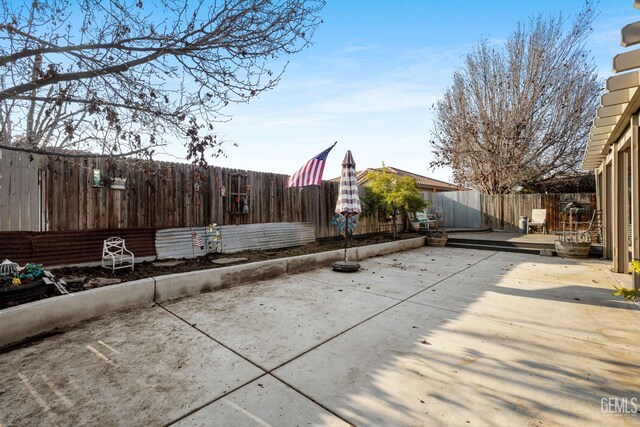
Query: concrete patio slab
(136,368)
(532,308)
(44,315)
(441,337)
(547,269)
(469,288)
(390,280)
(523,297)
(264,402)
(274,321)
(441,261)
(414,365)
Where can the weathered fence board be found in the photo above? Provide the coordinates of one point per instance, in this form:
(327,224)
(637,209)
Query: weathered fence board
(160,195)
(504,212)
(19,191)
(57,193)
(470,209)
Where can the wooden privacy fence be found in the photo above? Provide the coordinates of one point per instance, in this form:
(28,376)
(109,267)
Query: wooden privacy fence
(503,212)
(20,204)
(470,209)
(60,193)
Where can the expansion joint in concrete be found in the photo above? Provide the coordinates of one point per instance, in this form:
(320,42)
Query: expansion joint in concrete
(265,372)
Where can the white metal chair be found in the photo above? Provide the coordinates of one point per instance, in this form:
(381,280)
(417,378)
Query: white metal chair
(426,221)
(594,228)
(115,254)
(538,220)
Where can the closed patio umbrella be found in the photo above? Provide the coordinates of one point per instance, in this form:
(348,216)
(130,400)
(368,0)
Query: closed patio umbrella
(348,205)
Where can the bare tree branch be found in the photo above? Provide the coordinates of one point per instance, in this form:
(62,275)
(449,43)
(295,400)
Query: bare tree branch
(132,74)
(68,154)
(520,112)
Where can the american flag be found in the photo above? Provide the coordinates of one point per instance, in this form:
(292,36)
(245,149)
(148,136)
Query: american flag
(311,172)
(197,240)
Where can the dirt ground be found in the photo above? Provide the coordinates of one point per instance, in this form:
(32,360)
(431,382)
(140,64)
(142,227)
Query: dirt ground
(78,279)
(83,278)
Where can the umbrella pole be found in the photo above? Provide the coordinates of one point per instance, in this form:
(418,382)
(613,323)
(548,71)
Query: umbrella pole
(346,235)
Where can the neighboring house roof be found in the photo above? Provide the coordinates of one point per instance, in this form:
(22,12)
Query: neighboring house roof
(423,183)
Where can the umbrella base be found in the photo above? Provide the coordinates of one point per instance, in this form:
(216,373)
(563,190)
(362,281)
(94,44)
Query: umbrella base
(345,266)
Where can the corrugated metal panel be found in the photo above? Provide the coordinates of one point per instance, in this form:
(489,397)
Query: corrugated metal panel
(461,209)
(16,246)
(273,235)
(55,248)
(177,242)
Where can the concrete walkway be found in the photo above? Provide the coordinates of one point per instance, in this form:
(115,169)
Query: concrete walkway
(432,336)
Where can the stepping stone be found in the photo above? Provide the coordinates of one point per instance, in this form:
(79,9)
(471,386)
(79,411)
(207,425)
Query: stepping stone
(167,263)
(226,261)
(73,280)
(99,282)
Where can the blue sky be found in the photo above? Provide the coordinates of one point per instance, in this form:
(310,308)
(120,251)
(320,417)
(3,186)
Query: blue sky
(372,75)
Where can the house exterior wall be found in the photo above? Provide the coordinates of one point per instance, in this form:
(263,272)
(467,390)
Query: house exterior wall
(612,152)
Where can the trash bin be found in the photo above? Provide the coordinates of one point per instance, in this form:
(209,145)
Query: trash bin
(523,225)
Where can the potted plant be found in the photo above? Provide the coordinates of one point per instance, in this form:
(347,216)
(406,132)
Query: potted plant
(572,244)
(436,237)
(628,294)
(632,295)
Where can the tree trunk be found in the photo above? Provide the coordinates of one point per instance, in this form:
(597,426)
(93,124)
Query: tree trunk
(394,216)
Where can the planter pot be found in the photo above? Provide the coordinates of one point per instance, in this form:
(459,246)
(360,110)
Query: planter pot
(438,241)
(22,292)
(572,249)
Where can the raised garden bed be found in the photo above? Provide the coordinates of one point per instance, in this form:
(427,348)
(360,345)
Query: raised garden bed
(25,292)
(79,279)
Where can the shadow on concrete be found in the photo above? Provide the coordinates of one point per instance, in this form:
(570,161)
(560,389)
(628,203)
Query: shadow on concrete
(482,357)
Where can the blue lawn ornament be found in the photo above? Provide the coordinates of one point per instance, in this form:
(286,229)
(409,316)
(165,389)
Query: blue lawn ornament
(339,221)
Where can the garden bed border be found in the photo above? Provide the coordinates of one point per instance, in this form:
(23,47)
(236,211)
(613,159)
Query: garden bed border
(39,317)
